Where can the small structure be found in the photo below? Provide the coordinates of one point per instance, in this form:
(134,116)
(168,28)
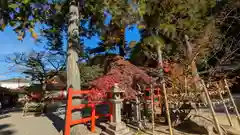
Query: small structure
(10,92)
(116,126)
(8,97)
(55,89)
(137,121)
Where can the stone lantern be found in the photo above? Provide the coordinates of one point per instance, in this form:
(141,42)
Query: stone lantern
(116,126)
(117,99)
(136,123)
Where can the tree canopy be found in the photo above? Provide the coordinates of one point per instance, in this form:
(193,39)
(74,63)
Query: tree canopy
(39,66)
(212,28)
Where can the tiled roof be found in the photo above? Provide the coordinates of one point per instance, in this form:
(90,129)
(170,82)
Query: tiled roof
(56,83)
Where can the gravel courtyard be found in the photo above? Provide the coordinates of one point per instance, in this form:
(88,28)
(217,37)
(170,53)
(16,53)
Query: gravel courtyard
(14,124)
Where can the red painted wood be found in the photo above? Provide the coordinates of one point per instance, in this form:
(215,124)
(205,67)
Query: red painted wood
(69,122)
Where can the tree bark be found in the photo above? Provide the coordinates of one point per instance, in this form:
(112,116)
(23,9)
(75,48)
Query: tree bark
(160,59)
(194,70)
(122,46)
(73,73)
(44,86)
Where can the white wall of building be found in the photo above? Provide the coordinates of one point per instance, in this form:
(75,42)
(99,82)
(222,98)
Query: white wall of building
(12,85)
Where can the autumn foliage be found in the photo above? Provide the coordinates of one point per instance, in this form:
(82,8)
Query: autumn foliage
(122,72)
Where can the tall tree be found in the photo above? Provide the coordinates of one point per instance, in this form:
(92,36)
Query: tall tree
(123,16)
(39,66)
(167,22)
(60,17)
(73,72)
(23,15)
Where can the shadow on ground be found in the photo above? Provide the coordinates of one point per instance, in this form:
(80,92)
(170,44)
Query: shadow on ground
(53,112)
(191,127)
(3,116)
(5,131)
(5,113)
(58,122)
(11,110)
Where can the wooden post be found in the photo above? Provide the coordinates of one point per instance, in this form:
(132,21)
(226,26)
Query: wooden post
(68,116)
(211,108)
(73,72)
(167,109)
(93,121)
(232,100)
(160,60)
(225,107)
(152,103)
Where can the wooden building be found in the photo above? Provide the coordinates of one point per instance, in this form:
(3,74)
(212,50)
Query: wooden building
(8,97)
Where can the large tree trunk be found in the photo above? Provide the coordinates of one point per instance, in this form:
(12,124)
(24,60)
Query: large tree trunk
(194,69)
(122,46)
(73,73)
(44,86)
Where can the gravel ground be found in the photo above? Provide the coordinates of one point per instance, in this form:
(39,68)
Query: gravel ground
(14,124)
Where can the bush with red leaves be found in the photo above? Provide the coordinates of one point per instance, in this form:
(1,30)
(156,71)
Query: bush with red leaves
(96,95)
(122,72)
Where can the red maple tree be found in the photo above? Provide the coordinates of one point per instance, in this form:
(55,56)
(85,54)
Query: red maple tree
(122,72)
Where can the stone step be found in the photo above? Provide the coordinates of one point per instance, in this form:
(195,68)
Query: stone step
(118,126)
(133,127)
(104,133)
(119,132)
(111,129)
(103,126)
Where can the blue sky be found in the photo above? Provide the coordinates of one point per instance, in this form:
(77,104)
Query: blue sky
(9,44)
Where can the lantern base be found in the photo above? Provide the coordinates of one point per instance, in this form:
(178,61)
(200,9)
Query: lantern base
(116,129)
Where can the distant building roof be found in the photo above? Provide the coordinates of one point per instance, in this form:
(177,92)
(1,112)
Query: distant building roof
(58,82)
(16,80)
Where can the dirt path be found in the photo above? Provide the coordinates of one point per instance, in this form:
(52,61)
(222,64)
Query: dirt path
(15,124)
